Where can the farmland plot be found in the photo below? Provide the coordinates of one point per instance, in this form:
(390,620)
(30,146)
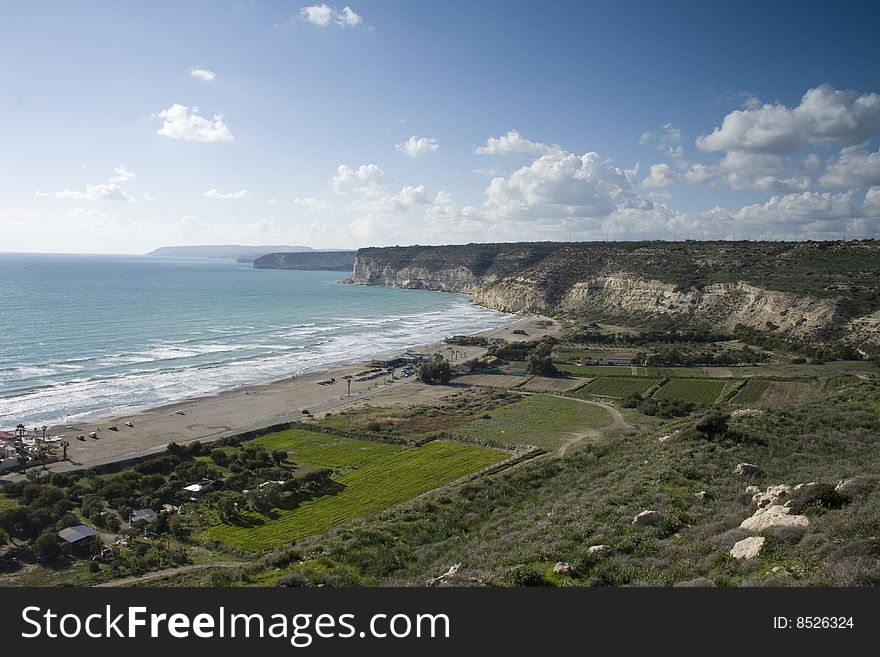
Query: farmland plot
(621,387)
(698,391)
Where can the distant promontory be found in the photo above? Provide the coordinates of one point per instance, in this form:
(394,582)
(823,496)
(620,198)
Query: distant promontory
(236,252)
(314,260)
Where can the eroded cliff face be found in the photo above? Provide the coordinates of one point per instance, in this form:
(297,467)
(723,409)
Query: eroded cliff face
(593,284)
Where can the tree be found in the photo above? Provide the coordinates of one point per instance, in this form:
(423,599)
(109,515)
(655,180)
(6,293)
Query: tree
(541,366)
(436,371)
(279,456)
(46,546)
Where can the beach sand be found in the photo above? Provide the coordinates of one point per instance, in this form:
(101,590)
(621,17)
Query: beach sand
(252,407)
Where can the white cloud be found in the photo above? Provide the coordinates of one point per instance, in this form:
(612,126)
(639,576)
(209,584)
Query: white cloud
(805,208)
(366,177)
(661,175)
(824,116)
(323,15)
(512,142)
(560,184)
(854,167)
(417,146)
(121,174)
(312,204)
(871,206)
(99,192)
(668,141)
(242,194)
(202,74)
(180,123)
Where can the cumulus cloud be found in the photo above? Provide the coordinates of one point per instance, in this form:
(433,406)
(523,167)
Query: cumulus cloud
(311,203)
(805,208)
(108,191)
(367,177)
(181,123)
(417,146)
(121,174)
(560,184)
(668,141)
(853,167)
(512,142)
(825,116)
(660,176)
(215,194)
(202,74)
(323,15)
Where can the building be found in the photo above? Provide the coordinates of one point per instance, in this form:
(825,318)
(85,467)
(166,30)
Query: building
(145,516)
(76,533)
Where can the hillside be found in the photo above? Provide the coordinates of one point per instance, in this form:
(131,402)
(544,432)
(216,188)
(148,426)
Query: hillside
(807,290)
(324,260)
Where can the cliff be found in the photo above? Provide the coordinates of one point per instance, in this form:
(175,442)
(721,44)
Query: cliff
(808,290)
(323,260)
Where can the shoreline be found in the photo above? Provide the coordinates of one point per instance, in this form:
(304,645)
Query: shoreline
(243,408)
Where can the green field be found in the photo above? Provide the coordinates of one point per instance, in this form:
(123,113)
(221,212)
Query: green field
(751,392)
(313,449)
(541,420)
(622,387)
(376,485)
(594,370)
(699,391)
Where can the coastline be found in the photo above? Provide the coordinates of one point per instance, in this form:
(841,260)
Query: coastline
(243,408)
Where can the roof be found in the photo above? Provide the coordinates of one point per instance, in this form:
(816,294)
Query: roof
(193,488)
(6,437)
(143,514)
(76,533)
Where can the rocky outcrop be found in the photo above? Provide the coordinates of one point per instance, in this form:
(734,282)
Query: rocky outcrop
(647,517)
(774,518)
(748,548)
(804,290)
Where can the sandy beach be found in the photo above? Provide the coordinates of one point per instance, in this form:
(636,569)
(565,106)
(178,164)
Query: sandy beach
(251,407)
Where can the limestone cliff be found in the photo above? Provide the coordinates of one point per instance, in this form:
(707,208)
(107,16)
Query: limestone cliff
(315,260)
(822,290)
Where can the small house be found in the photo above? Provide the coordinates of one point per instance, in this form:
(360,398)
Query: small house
(145,516)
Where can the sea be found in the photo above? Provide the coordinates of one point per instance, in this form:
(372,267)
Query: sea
(89,336)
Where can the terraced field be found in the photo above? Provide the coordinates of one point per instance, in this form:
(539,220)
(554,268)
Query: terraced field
(314,449)
(541,420)
(784,392)
(595,370)
(622,387)
(375,485)
(698,391)
(751,392)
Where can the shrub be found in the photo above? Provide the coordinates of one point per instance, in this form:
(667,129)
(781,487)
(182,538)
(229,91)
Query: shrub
(46,546)
(293,580)
(523,575)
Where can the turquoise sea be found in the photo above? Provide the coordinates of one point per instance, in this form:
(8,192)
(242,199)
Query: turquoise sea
(90,336)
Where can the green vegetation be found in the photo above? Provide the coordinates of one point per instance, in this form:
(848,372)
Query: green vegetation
(545,421)
(751,392)
(617,387)
(314,449)
(375,485)
(596,370)
(698,391)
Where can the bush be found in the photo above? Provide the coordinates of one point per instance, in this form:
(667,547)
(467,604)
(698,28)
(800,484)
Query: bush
(713,424)
(293,580)
(523,575)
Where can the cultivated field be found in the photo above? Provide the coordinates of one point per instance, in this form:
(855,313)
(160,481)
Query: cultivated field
(608,386)
(698,391)
(541,420)
(313,449)
(375,485)
(548,384)
(751,392)
(780,393)
(594,370)
(490,380)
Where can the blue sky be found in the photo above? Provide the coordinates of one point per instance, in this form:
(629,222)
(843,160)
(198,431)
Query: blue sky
(127,126)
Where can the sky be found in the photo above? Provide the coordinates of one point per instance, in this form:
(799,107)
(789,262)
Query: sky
(127,126)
